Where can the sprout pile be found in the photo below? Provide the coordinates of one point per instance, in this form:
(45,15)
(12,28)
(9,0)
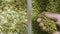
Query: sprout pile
(50,24)
(13,17)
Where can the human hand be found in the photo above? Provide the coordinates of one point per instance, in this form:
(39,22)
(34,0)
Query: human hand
(53,16)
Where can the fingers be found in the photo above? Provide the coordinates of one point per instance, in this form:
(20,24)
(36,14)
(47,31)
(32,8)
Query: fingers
(52,15)
(43,28)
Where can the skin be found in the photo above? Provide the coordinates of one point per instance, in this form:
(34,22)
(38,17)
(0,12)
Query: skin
(53,16)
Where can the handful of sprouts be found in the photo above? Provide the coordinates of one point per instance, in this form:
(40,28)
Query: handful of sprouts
(49,24)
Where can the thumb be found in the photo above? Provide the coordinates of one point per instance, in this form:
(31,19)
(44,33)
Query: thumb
(52,15)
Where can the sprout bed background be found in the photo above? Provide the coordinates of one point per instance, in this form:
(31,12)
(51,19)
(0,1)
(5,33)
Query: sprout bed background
(13,15)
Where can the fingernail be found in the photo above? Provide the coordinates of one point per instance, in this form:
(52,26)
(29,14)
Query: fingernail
(44,28)
(39,20)
(41,24)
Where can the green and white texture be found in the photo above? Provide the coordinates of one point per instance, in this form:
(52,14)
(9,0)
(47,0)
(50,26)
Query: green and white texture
(49,24)
(13,17)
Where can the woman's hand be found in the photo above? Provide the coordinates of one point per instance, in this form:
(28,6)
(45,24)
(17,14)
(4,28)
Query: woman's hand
(53,16)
